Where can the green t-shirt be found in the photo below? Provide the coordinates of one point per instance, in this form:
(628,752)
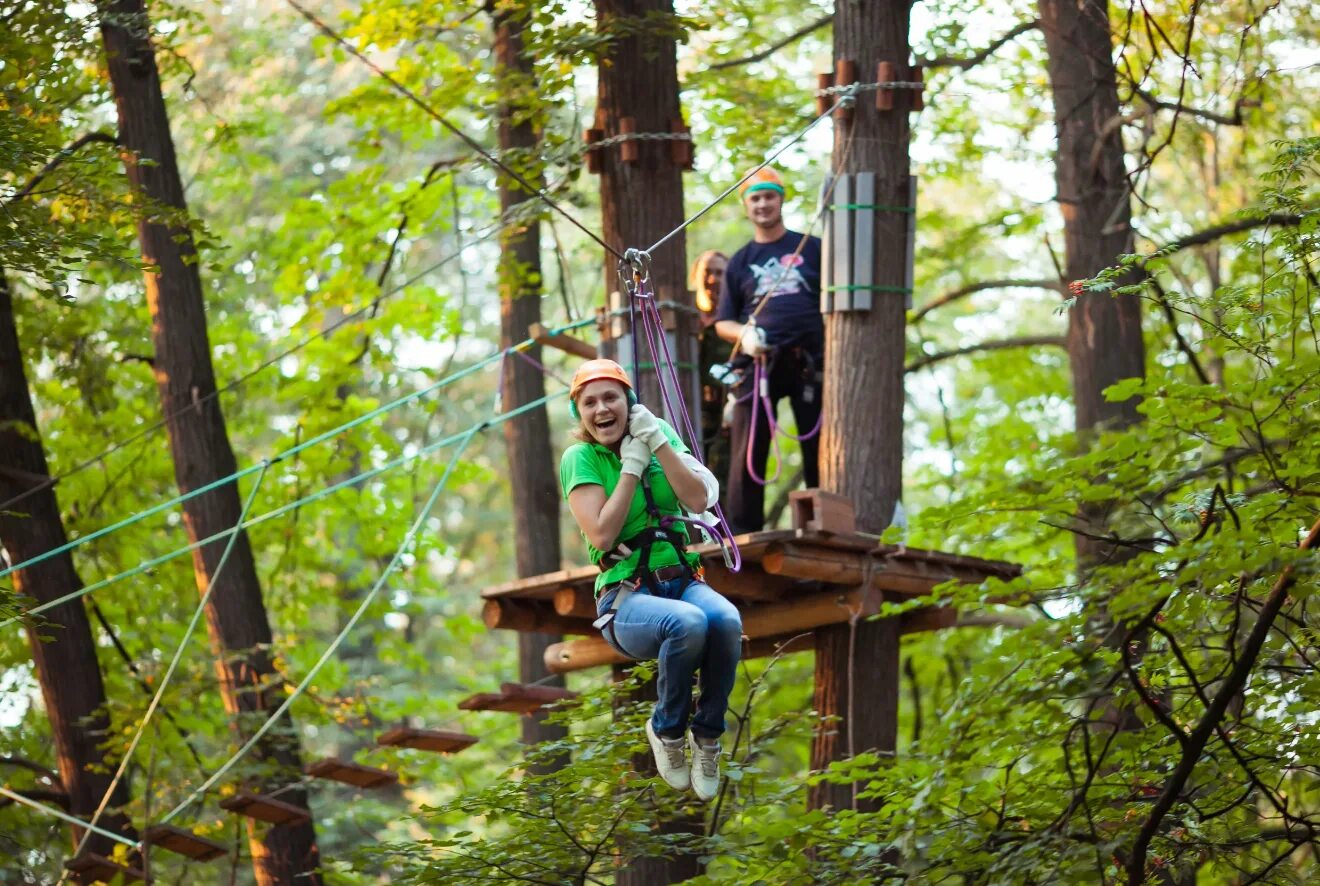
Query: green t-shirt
(586,464)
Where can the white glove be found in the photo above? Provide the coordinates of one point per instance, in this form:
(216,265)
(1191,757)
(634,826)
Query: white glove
(643,425)
(752,341)
(635,455)
(703,473)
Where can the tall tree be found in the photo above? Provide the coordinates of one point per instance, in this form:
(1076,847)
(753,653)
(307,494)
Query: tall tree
(63,649)
(527,439)
(642,201)
(861,453)
(199,443)
(1104,332)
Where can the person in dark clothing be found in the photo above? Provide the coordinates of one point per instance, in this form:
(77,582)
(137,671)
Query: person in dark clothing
(770,306)
(705,279)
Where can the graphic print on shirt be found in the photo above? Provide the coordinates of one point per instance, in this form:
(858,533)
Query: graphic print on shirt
(778,276)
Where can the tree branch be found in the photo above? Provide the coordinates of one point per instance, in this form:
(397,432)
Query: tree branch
(32,766)
(1209,722)
(973,288)
(774,47)
(1234,119)
(57,161)
(1209,235)
(962,64)
(1000,344)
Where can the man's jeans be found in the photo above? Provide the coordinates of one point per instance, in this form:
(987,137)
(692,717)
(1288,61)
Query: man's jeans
(689,628)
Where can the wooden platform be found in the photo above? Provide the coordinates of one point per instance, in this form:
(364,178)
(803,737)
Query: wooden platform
(516,698)
(92,868)
(792,581)
(182,842)
(263,808)
(349,773)
(436,740)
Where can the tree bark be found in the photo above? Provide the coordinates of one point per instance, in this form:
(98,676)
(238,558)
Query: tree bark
(236,614)
(532,473)
(861,453)
(66,663)
(640,203)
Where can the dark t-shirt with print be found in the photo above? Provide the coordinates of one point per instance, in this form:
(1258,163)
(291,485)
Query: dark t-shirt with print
(761,270)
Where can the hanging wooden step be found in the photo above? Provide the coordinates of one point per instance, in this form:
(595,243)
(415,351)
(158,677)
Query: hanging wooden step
(183,842)
(436,740)
(92,868)
(264,808)
(349,773)
(516,698)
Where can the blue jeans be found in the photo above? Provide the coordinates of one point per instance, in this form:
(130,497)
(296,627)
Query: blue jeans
(690,628)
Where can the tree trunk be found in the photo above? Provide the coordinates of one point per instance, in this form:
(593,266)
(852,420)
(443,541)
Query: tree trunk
(66,662)
(640,202)
(236,614)
(1104,332)
(861,453)
(532,473)
(643,201)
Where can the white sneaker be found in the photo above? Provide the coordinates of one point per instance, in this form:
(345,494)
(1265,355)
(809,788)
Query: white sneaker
(705,766)
(669,759)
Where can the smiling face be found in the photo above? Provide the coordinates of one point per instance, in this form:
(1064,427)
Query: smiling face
(765,207)
(603,408)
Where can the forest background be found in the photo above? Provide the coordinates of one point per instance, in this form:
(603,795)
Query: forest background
(328,209)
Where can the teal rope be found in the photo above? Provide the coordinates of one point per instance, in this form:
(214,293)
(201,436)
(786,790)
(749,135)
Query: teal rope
(898,290)
(174,662)
(64,816)
(288,453)
(907,210)
(407,543)
(280,511)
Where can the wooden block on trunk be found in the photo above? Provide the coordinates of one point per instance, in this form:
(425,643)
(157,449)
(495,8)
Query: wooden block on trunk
(92,868)
(815,510)
(355,774)
(183,842)
(264,808)
(436,740)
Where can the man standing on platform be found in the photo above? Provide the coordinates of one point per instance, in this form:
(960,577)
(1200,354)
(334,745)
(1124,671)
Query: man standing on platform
(770,306)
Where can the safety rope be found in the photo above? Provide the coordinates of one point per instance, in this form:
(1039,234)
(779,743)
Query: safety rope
(288,453)
(66,817)
(174,661)
(403,548)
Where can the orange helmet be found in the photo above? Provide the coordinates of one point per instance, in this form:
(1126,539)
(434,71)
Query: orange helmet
(763,179)
(596,370)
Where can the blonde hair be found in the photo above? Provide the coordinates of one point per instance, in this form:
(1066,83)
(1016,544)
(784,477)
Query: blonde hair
(697,276)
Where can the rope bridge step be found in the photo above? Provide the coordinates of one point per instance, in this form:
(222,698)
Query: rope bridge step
(264,808)
(183,842)
(516,698)
(435,740)
(92,868)
(349,773)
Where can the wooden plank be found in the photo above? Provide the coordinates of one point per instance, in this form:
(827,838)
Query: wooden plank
(531,616)
(516,698)
(863,241)
(92,868)
(841,242)
(183,842)
(435,740)
(545,694)
(263,808)
(347,772)
(561,341)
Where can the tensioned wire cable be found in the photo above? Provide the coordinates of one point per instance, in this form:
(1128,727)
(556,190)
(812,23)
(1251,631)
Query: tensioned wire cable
(174,661)
(482,237)
(407,543)
(435,115)
(148,565)
(288,453)
(66,817)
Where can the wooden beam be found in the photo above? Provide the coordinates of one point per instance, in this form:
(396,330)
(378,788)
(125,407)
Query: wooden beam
(561,341)
(92,868)
(436,740)
(516,698)
(347,772)
(183,842)
(576,602)
(263,808)
(591,652)
(531,616)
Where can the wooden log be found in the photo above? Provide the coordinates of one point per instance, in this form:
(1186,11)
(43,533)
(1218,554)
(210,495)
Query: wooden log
(884,98)
(897,573)
(531,616)
(436,740)
(824,102)
(92,868)
(591,136)
(347,772)
(918,95)
(821,564)
(576,602)
(263,808)
(561,341)
(681,151)
(579,655)
(845,74)
(629,151)
(183,842)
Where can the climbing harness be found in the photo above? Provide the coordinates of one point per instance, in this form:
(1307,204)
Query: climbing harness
(760,397)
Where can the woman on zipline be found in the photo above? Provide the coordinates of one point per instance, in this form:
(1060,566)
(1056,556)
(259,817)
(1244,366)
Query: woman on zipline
(626,480)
